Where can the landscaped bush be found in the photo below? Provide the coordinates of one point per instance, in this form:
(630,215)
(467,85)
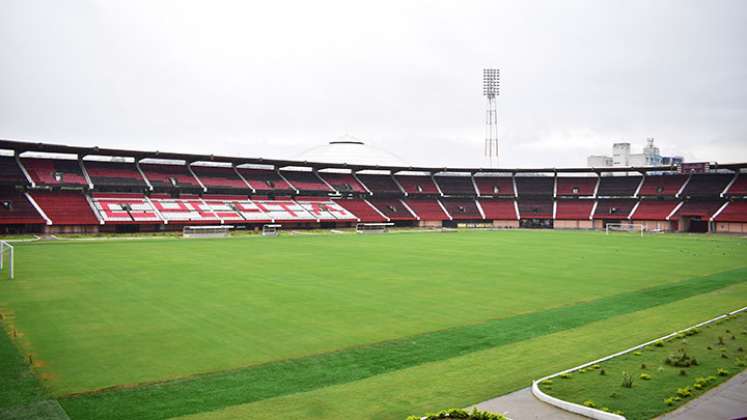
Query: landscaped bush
(458,413)
(680,359)
(645,376)
(627,380)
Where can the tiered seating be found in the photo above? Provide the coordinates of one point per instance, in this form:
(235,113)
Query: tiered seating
(617,209)
(124,208)
(219,178)
(114,174)
(739,187)
(535,185)
(618,186)
(225,207)
(498,209)
(15,209)
(462,208)
(187,208)
(163,176)
(65,208)
(265,180)
(284,211)
(325,210)
(574,209)
(392,208)
(736,211)
(535,208)
(427,209)
(495,186)
(576,186)
(455,185)
(344,183)
(700,209)
(662,185)
(417,184)
(654,209)
(380,184)
(10,172)
(306,181)
(362,210)
(54,172)
(706,185)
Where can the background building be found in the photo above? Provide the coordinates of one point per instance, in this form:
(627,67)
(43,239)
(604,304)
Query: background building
(622,157)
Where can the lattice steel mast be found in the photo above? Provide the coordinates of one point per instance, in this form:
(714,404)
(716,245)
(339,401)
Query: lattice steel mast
(490,85)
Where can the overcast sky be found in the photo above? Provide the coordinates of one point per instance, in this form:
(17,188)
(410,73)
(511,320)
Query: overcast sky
(274,78)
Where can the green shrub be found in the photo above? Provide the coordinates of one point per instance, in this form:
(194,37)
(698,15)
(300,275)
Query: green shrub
(643,366)
(724,356)
(684,392)
(596,366)
(669,401)
(590,404)
(547,382)
(627,381)
(637,353)
(741,363)
(645,376)
(680,359)
(565,376)
(720,340)
(458,413)
(659,344)
(722,372)
(602,372)
(683,372)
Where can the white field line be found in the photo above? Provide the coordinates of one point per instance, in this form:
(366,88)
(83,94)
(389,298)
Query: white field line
(599,414)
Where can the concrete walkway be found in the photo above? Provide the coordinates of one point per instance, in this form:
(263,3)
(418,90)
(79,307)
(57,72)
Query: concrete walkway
(522,405)
(727,401)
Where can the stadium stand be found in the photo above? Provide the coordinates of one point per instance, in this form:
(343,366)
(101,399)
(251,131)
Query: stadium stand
(343,183)
(392,208)
(325,210)
(495,186)
(306,181)
(574,209)
(653,209)
(739,187)
(169,176)
(662,185)
(535,186)
(15,209)
(124,208)
(618,186)
(417,184)
(427,209)
(614,209)
(705,185)
(576,186)
(265,180)
(702,209)
(455,185)
(362,210)
(380,184)
(10,172)
(735,211)
(220,178)
(114,174)
(65,208)
(535,208)
(461,208)
(55,172)
(498,209)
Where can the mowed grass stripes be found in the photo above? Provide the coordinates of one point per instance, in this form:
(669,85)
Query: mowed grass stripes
(214,391)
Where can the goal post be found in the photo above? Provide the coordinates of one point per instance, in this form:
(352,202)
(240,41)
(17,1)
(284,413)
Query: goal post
(373,227)
(7,248)
(219,231)
(271,230)
(625,227)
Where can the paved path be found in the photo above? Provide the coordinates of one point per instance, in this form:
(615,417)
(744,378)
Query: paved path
(728,401)
(522,405)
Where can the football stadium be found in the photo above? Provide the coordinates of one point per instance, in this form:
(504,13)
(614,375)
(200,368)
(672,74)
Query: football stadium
(229,287)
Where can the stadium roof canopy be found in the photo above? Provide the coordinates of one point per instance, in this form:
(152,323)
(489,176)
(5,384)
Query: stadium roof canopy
(19,147)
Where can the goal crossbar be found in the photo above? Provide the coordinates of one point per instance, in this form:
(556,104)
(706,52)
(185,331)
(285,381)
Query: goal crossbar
(205,231)
(625,227)
(7,248)
(373,227)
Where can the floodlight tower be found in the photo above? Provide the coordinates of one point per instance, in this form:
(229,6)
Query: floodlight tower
(490,83)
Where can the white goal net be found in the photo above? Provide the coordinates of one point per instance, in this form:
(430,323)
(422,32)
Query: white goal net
(625,227)
(373,227)
(271,230)
(221,231)
(7,249)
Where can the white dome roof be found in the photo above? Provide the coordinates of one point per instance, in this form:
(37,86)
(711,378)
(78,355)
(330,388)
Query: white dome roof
(350,151)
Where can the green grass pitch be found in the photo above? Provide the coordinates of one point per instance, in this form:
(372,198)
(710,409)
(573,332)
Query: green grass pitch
(346,326)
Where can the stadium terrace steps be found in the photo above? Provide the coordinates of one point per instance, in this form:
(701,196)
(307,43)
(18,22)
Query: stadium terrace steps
(10,172)
(534,186)
(618,186)
(15,208)
(65,208)
(342,182)
(662,185)
(498,209)
(163,176)
(462,208)
(706,185)
(535,208)
(362,209)
(305,181)
(220,178)
(427,209)
(380,184)
(614,208)
(417,184)
(55,172)
(114,174)
(739,187)
(394,209)
(455,185)
(698,209)
(265,180)
(735,211)
(576,186)
(495,186)
(654,209)
(574,209)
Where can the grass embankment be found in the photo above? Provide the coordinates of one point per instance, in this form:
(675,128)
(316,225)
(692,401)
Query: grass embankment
(662,376)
